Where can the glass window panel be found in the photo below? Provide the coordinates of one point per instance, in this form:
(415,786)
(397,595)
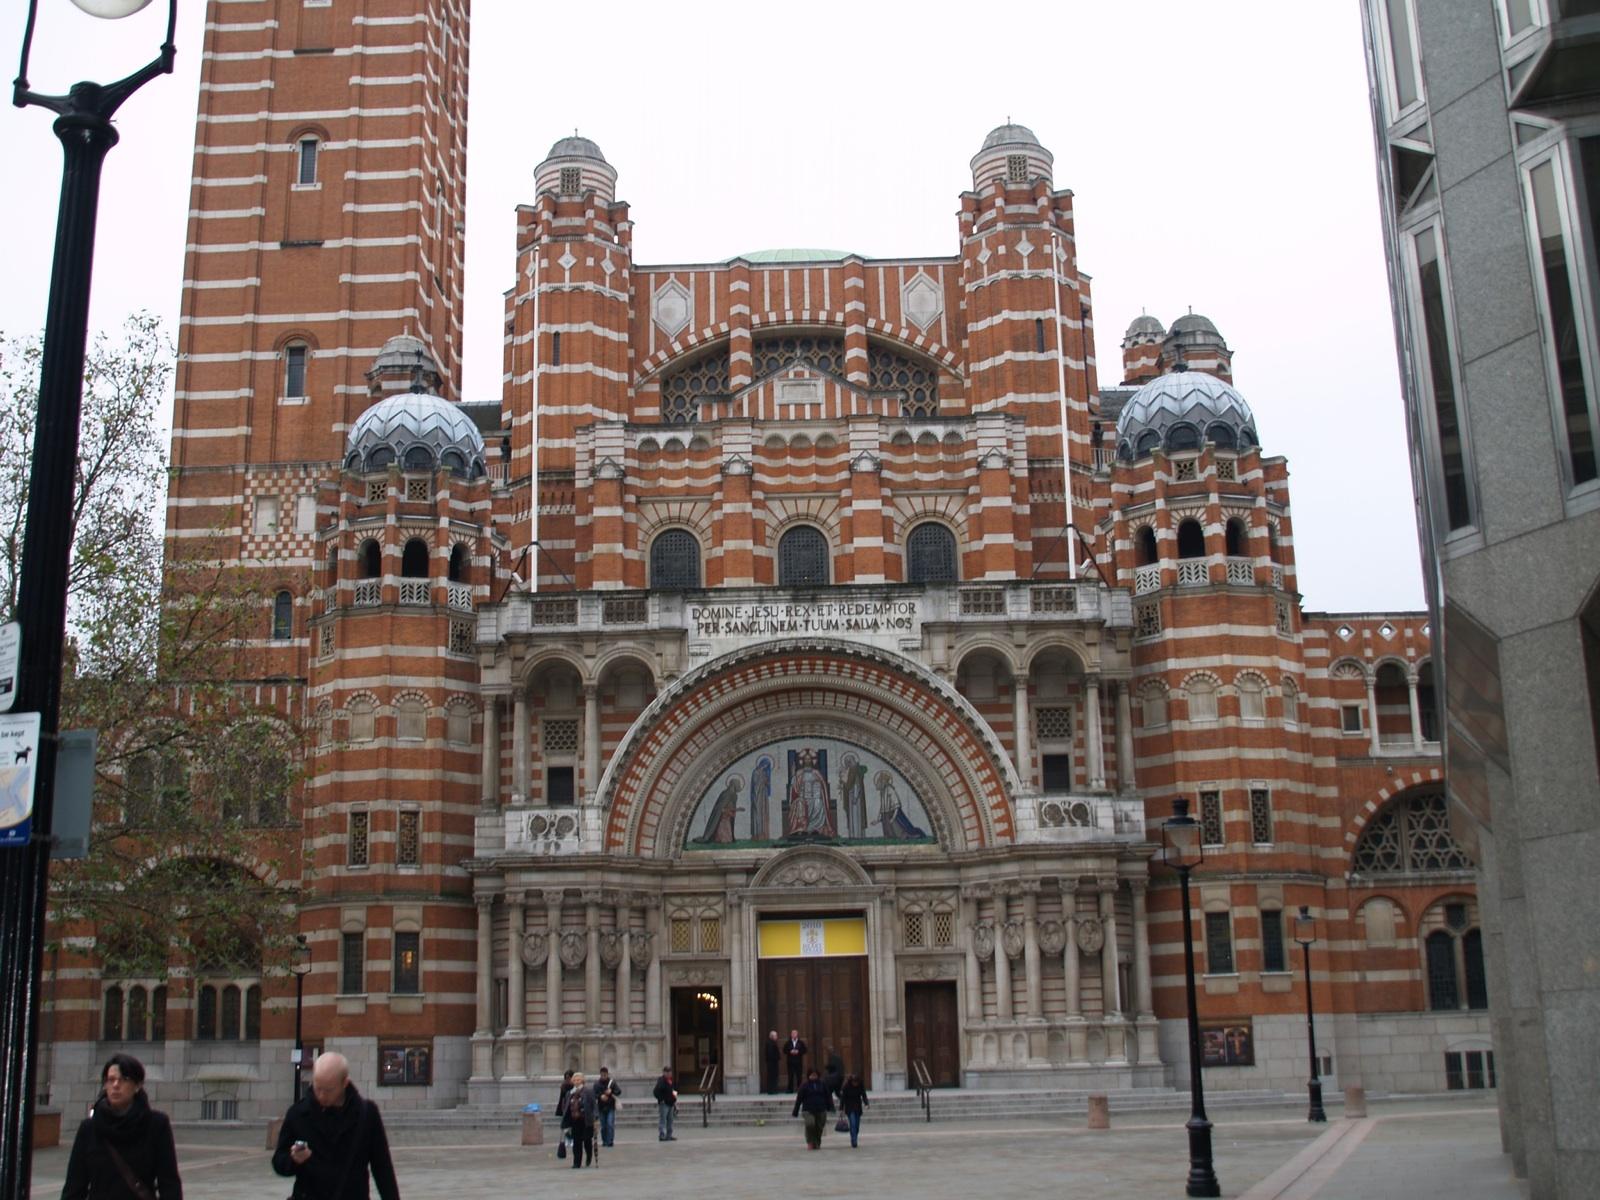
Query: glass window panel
(158,1014)
(205,1025)
(1443,992)
(252,1013)
(1057,769)
(1453,1075)
(1519,16)
(407,963)
(1441,379)
(308,160)
(1402,53)
(802,558)
(230,1013)
(558,787)
(113,1015)
(931,554)
(282,617)
(1219,944)
(1472,954)
(138,1012)
(1272,950)
(1566,332)
(353,964)
(675,560)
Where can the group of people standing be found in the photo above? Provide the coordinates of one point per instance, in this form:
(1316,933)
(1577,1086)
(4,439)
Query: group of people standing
(587,1110)
(816,1090)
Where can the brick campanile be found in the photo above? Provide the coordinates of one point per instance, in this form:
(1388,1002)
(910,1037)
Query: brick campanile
(326,218)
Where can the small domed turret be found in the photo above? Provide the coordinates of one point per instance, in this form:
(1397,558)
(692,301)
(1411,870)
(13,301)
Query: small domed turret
(1180,411)
(1013,155)
(1194,340)
(1143,330)
(419,431)
(404,363)
(575,167)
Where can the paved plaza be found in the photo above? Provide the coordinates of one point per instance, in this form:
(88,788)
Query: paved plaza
(1405,1150)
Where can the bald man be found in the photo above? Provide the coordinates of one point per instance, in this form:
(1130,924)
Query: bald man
(331,1138)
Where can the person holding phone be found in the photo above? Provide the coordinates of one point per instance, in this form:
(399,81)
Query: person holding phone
(332,1137)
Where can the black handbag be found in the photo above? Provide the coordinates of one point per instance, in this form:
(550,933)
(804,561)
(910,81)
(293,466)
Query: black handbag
(842,1125)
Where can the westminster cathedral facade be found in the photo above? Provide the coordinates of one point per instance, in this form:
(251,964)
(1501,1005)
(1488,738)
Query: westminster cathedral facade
(801,640)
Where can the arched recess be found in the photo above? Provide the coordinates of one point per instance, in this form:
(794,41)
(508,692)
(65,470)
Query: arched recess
(897,709)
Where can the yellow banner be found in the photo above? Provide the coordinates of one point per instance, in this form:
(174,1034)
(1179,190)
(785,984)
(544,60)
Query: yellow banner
(821,937)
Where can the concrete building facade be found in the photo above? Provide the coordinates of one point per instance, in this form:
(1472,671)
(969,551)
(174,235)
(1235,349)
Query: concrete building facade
(803,640)
(1488,132)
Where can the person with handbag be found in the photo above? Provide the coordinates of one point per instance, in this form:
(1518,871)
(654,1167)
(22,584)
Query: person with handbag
(332,1137)
(561,1112)
(582,1115)
(852,1099)
(124,1148)
(817,1101)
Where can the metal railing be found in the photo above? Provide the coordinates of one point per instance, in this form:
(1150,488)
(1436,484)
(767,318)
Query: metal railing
(708,1093)
(924,1086)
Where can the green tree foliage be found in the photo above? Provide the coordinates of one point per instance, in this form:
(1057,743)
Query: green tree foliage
(194,780)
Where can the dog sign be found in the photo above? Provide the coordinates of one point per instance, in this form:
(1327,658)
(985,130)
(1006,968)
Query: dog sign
(19,765)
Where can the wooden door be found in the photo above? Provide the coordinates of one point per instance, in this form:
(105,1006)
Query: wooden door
(826,1000)
(933,1031)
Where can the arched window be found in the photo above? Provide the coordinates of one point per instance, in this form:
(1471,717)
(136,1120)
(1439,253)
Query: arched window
(675,560)
(1202,695)
(419,458)
(363,719)
(1154,704)
(231,1011)
(1183,436)
(371,559)
(803,557)
(205,1021)
(1411,834)
(1291,703)
(411,718)
(1252,698)
(931,554)
(1191,539)
(1148,441)
(414,559)
(113,1015)
(333,564)
(379,458)
(1221,436)
(306,174)
(458,563)
(282,617)
(453,461)
(138,1013)
(1145,542)
(1236,537)
(295,355)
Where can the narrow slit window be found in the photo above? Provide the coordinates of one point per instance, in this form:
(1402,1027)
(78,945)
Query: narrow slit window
(1273,957)
(1441,381)
(308,161)
(1219,944)
(294,375)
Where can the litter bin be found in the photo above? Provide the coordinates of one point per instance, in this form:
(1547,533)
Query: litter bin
(532,1126)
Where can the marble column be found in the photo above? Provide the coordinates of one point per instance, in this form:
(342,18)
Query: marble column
(1125,769)
(1416,714)
(520,750)
(516,992)
(591,740)
(489,771)
(625,968)
(1096,761)
(1002,960)
(591,959)
(1069,913)
(652,973)
(1143,1006)
(483,1034)
(1110,981)
(552,964)
(1372,712)
(974,967)
(1022,721)
(1030,949)
(885,950)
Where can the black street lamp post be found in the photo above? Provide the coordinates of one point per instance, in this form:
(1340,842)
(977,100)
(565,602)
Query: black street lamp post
(301,966)
(83,125)
(1181,850)
(1305,932)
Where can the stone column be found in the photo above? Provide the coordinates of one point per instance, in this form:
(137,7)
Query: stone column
(552,964)
(520,750)
(1022,719)
(1030,948)
(591,958)
(1125,768)
(652,973)
(516,992)
(591,740)
(974,968)
(1002,960)
(625,967)
(885,952)
(1416,714)
(483,1034)
(1372,711)
(1110,983)
(1069,914)
(1142,1003)
(1096,760)
(489,773)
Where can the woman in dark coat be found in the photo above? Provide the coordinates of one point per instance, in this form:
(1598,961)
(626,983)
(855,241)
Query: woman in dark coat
(123,1142)
(852,1099)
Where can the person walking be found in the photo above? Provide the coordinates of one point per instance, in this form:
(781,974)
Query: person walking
(666,1094)
(794,1053)
(561,1111)
(332,1137)
(581,1114)
(852,1099)
(814,1097)
(773,1054)
(832,1069)
(606,1092)
(123,1149)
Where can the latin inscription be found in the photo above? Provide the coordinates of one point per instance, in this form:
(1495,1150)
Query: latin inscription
(846,617)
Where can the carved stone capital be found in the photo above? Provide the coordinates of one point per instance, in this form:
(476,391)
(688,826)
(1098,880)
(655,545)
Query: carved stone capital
(595,896)
(485,902)
(516,898)
(1029,887)
(553,897)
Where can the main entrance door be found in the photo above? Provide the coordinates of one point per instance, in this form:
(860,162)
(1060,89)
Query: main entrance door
(933,1031)
(696,1036)
(826,1000)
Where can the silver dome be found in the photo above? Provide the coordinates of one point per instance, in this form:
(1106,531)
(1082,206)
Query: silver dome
(1181,410)
(404,352)
(1010,135)
(1143,330)
(420,432)
(575,147)
(1194,323)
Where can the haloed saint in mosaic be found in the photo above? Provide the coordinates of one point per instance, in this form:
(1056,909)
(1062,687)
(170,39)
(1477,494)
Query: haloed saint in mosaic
(808,790)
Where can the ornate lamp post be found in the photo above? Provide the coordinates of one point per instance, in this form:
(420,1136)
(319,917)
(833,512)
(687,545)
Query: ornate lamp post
(1305,932)
(301,966)
(1181,850)
(83,124)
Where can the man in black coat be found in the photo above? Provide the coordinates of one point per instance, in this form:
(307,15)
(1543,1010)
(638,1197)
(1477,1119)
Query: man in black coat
(331,1137)
(773,1052)
(794,1051)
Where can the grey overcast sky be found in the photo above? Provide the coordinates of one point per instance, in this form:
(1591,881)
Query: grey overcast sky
(1220,155)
